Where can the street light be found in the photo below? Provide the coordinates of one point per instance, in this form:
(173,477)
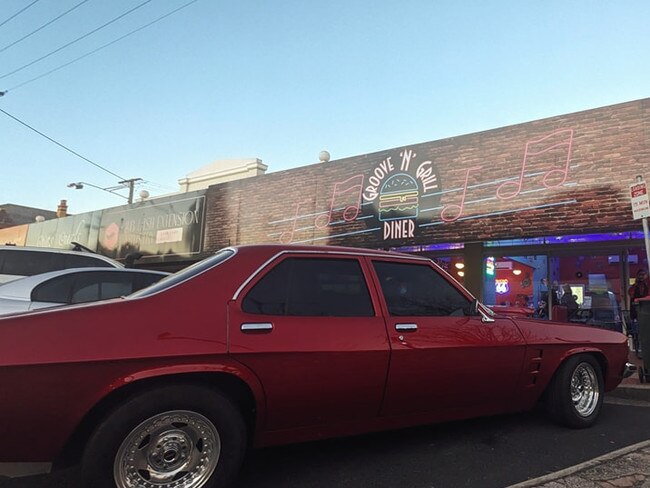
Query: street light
(80,184)
(130,184)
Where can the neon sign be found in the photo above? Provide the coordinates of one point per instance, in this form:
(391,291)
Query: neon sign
(489,266)
(502,286)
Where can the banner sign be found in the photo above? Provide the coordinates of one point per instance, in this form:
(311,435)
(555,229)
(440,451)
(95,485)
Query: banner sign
(170,226)
(62,232)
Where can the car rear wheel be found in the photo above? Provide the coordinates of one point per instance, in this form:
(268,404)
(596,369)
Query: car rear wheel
(575,395)
(171,437)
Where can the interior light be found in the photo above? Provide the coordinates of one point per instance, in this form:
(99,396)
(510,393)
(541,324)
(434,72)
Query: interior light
(461,273)
(516,272)
(459,265)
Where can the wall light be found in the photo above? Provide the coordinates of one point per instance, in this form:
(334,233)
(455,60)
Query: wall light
(461,273)
(516,272)
(459,265)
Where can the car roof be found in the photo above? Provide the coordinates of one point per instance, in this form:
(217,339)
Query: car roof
(22,287)
(54,250)
(278,248)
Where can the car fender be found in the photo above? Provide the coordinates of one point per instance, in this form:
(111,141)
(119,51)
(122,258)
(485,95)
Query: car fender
(227,366)
(582,350)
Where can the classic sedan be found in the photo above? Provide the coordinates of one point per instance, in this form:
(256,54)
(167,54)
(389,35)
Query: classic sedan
(76,285)
(263,345)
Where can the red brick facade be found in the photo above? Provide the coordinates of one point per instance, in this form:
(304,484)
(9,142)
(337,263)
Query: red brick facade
(576,178)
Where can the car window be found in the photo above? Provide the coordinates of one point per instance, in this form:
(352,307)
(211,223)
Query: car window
(29,263)
(419,290)
(55,290)
(142,280)
(311,287)
(186,274)
(93,286)
(73,261)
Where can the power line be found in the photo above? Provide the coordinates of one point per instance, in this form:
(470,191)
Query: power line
(61,145)
(76,40)
(19,12)
(65,65)
(43,26)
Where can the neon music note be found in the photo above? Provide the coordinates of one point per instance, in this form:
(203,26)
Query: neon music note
(568,142)
(460,207)
(351,211)
(529,152)
(289,233)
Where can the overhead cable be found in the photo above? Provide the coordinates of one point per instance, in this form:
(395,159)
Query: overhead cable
(65,65)
(61,145)
(76,40)
(18,13)
(43,26)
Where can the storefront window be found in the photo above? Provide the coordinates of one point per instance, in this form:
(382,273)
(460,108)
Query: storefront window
(515,281)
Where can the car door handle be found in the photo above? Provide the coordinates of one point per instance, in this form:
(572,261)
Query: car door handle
(406,327)
(252,328)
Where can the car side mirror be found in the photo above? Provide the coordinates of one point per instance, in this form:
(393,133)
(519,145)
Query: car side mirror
(477,310)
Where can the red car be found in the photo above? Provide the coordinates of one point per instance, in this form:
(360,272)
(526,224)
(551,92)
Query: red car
(262,345)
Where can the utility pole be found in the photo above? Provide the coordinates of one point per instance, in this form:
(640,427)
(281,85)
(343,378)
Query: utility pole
(131,185)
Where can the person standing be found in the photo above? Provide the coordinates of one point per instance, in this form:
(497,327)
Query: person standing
(638,290)
(569,301)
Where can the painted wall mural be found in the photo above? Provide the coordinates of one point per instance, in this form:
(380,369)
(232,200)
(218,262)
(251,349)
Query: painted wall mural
(406,193)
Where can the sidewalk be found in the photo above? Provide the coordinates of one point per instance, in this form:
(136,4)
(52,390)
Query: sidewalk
(631,388)
(627,467)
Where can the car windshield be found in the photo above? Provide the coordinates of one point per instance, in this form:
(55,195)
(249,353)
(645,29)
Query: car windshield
(185,274)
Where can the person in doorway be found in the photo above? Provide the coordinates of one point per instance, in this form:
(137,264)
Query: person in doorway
(541,312)
(569,301)
(638,290)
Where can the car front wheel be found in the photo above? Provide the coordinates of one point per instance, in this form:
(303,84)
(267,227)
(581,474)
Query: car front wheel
(172,437)
(575,395)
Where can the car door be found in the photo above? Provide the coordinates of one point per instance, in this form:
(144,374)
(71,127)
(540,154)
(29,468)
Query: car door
(444,358)
(310,329)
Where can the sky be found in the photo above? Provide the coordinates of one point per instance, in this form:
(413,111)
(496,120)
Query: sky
(281,80)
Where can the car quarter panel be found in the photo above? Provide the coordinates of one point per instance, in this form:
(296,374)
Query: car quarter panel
(73,356)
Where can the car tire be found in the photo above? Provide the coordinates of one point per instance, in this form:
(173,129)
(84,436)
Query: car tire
(575,395)
(185,435)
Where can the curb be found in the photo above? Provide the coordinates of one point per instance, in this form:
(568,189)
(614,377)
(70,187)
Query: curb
(580,467)
(631,392)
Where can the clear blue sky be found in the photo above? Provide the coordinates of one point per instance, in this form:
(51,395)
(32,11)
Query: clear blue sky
(283,79)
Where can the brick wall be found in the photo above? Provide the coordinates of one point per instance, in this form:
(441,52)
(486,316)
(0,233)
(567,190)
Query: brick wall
(466,188)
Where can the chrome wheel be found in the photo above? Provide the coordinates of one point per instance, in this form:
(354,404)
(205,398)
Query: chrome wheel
(176,449)
(585,390)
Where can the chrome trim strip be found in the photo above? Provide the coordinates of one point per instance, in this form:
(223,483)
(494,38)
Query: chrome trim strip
(629,369)
(406,327)
(253,327)
(376,254)
(229,248)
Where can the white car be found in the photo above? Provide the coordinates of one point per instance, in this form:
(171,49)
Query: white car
(17,261)
(77,285)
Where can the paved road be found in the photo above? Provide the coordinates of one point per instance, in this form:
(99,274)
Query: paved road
(486,453)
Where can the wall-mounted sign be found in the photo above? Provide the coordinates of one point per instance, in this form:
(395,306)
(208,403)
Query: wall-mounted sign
(396,189)
(166,226)
(403,196)
(639,200)
(62,232)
